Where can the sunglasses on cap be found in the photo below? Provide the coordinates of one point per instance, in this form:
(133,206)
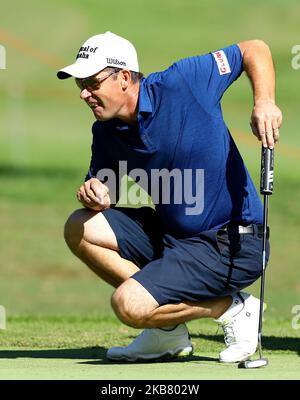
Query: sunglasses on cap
(92,83)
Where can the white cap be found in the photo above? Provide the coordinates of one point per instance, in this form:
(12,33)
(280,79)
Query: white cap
(99,52)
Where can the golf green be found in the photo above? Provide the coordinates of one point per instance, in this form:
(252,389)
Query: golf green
(88,363)
(63,348)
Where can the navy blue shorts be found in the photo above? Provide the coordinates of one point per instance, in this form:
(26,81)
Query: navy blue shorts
(210,264)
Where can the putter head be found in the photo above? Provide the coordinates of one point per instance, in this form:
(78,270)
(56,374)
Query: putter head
(261,362)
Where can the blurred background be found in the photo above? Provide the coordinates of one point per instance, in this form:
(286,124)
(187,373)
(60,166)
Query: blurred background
(45,133)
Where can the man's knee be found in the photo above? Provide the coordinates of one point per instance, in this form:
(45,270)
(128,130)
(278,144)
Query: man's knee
(87,226)
(74,228)
(127,314)
(133,304)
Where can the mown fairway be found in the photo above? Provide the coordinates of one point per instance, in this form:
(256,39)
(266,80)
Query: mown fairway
(75,348)
(44,154)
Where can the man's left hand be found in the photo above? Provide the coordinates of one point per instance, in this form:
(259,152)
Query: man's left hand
(266,120)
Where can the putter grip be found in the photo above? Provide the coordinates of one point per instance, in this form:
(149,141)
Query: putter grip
(267,170)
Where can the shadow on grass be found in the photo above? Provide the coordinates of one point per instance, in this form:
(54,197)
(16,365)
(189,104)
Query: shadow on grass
(268,342)
(167,360)
(83,353)
(97,354)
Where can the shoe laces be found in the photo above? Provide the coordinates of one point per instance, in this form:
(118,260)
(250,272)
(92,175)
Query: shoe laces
(230,335)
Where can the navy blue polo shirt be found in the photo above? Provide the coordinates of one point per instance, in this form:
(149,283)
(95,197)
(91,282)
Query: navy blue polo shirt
(181,130)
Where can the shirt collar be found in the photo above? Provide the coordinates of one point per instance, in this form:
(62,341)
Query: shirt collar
(145,105)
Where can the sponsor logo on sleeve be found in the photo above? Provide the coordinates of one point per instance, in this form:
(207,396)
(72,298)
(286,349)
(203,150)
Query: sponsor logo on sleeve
(222,62)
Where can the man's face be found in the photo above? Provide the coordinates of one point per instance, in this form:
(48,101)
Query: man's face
(103,94)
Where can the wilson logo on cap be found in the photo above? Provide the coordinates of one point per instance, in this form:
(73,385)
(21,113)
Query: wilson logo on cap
(115,61)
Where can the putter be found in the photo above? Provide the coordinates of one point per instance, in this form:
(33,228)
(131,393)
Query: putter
(266,189)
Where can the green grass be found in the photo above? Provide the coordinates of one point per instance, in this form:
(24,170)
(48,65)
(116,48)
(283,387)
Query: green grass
(45,142)
(74,347)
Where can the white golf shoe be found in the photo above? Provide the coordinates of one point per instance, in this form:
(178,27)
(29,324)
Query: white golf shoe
(155,344)
(240,326)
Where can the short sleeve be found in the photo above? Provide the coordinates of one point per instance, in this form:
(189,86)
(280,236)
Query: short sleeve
(209,75)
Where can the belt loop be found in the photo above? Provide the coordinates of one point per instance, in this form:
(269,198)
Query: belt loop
(255,230)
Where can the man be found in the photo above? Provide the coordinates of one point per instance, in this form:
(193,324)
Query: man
(175,263)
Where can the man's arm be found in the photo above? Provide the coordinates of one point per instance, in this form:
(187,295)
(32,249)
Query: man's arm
(93,193)
(266,117)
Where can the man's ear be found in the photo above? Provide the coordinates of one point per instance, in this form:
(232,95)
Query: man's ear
(126,77)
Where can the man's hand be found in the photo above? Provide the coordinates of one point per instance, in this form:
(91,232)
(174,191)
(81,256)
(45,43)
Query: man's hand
(93,194)
(266,120)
